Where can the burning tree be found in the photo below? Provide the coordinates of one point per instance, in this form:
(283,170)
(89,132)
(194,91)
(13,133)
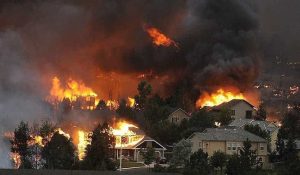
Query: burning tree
(19,149)
(99,152)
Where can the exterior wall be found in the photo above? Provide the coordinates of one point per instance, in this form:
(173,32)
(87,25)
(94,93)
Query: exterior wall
(177,117)
(240,110)
(229,148)
(273,140)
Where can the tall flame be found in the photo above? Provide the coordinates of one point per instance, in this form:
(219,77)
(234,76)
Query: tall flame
(218,97)
(82,143)
(72,91)
(159,38)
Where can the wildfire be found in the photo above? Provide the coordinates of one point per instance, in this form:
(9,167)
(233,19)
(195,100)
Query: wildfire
(73,91)
(217,98)
(131,102)
(82,143)
(38,140)
(124,135)
(60,131)
(159,38)
(112,104)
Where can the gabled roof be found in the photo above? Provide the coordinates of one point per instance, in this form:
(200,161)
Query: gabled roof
(230,104)
(145,138)
(264,125)
(181,110)
(226,134)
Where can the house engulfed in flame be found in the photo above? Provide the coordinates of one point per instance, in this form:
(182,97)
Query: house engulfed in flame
(134,142)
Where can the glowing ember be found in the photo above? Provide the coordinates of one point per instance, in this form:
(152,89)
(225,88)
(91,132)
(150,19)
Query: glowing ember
(73,91)
(60,131)
(38,140)
(112,104)
(131,102)
(217,98)
(159,38)
(82,143)
(16,158)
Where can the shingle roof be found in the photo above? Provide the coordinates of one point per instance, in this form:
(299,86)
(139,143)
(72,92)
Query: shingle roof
(231,103)
(264,125)
(225,134)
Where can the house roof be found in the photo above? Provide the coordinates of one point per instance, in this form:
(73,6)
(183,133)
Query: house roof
(227,134)
(144,139)
(264,125)
(181,110)
(230,104)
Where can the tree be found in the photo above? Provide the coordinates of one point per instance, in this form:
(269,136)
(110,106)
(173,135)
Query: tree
(224,117)
(247,156)
(290,126)
(201,120)
(101,105)
(280,147)
(156,110)
(20,144)
(59,152)
(181,153)
(100,152)
(255,129)
(218,160)
(46,130)
(144,90)
(149,155)
(125,111)
(261,112)
(233,166)
(198,164)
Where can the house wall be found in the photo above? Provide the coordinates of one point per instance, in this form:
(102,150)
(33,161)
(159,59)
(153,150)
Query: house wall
(240,110)
(177,117)
(212,146)
(273,139)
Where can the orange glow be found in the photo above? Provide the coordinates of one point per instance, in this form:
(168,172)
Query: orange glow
(112,104)
(122,131)
(60,131)
(159,38)
(73,90)
(131,102)
(217,98)
(82,143)
(39,140)
(16,158)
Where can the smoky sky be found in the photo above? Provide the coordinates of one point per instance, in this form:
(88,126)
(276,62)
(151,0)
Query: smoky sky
(220,44)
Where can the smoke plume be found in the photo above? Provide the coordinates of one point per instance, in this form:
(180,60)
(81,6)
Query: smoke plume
(103,43)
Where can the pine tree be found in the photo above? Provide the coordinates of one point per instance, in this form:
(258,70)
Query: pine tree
(59,153)
(99,153)
(247,156)
(20,144)
(218,159)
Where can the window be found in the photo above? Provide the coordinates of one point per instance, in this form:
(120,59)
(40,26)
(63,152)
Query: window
(232,112)
(238,146)
(249,114)
(228,146)
(234,146)
(262,148)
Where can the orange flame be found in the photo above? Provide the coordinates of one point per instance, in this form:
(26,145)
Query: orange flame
(82,143)
(159,38)
(72,91)
(131,102)
(217,98)
(123,131)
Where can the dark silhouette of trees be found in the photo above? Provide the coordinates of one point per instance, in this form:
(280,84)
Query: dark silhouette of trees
(233,166)
(218,160)
(59,153)
(99,153)
(247,156)
(20,144)
(144,90)
(261,112)
(101,105)
(198,164)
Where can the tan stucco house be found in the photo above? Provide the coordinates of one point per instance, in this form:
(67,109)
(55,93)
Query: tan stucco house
(271,128)
(229,141)
(178,115)
(239,109)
